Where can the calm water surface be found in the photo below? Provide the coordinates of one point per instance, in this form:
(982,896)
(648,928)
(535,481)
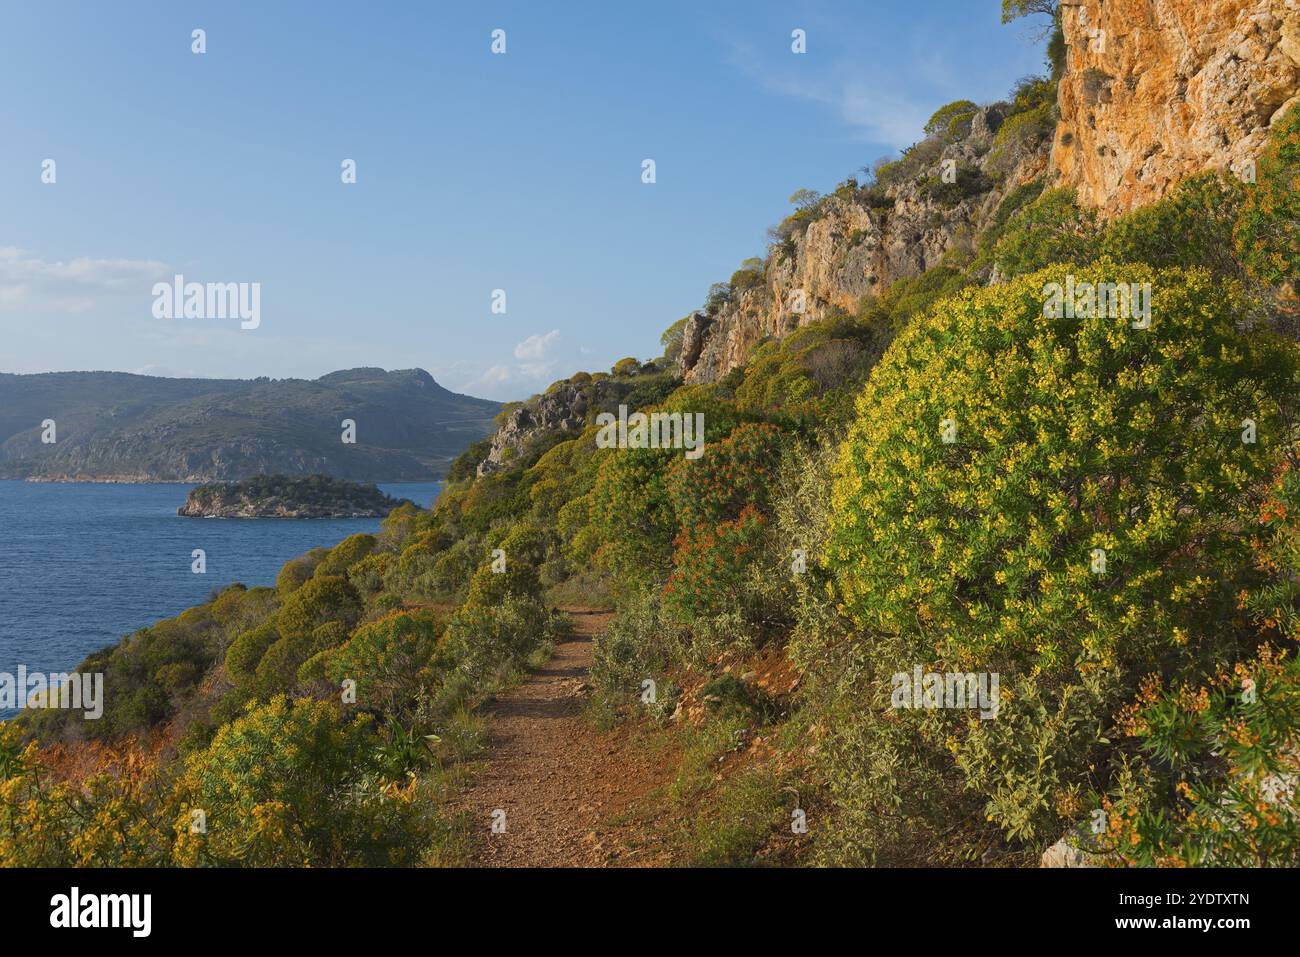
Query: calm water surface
(83,564)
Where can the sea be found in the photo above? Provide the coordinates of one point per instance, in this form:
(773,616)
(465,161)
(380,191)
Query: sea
(84,564)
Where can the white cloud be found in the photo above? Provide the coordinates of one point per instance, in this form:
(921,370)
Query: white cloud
(495,375)
(536,347)
(77,285)
(863,102)
(538,361)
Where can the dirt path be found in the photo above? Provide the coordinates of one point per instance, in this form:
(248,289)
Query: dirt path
(561,784)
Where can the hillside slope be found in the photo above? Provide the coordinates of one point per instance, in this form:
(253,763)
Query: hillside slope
(114,426)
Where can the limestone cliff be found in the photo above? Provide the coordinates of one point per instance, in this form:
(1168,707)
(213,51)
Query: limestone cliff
(858,244)
(1156,90)
(1153,91)
(529,428)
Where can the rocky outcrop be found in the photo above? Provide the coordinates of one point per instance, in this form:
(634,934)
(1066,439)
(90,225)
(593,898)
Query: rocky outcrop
(1067,853)
(1156,90)
(561,410)
(853,248)
(567,408)
(279,496)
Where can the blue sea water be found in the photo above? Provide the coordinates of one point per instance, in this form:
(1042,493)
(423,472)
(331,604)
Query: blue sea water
(83,564)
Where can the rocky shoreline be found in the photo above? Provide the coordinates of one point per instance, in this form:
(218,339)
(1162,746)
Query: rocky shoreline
(283,497)
(62,478)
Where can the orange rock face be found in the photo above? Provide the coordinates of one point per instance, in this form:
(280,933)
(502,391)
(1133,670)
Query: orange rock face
(1157,90)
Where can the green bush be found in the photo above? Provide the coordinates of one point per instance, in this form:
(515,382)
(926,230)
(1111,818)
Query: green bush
(642,642)
(1268,232)
(1030,123)
(944,118)
(488,588)
(1053,229)
(246,651)
(295,572)
(1192,226)
(328,598)
(346,554)
(489,641)
(1071,435)
(283,785)
(388,658)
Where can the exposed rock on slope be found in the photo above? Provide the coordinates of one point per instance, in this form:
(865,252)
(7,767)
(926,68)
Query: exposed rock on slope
(565,409)
(854,247)
(1156,90)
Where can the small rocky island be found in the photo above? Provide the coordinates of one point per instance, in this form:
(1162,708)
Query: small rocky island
(282,496)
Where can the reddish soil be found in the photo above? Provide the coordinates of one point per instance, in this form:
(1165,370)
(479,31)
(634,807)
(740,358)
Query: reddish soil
(562,784)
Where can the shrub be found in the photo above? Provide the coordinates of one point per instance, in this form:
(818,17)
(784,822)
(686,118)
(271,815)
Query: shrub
(246,651)
(909,297)
(295,572)
(488,588)
(387,659)
(346,554)
(641,642)
(1053,229)
(1013,202)
(969,182)
(978,554)
(748,276)
(709,566)
(367,575)
(630,520)
(1020,131)
(525,542)
(283,785)
(116,817)
(1275,605)
(465,466)
(452,571)
(733,473)
(1192,226)
(944,118)
(489,641)
(329,598)
(1216,782)
(810,375)
(672,339)
(1268,232)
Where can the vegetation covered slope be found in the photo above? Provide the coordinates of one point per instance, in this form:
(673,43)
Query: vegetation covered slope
(1097,507)
(110,425)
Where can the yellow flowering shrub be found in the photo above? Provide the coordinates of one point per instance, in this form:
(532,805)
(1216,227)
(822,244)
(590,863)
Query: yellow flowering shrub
(293,783)
(1058,501)
(1268,230)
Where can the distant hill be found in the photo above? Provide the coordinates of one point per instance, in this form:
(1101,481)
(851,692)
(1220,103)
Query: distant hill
(113,426)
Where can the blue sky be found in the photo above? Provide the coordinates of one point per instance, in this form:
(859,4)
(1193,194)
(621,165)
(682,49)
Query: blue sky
(475,171)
